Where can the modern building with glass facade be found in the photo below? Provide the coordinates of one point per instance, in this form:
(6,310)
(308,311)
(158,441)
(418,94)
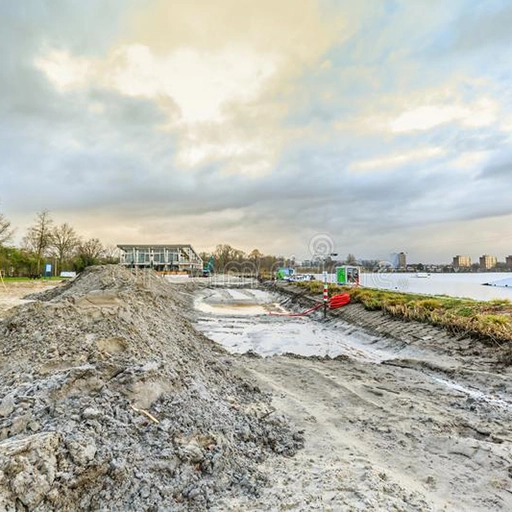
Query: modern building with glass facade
(162,258)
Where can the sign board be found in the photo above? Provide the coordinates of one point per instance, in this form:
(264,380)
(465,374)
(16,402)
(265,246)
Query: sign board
(68,274)
(48,270)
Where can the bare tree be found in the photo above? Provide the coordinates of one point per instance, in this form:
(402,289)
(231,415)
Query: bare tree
(39,236)
(111,254)
(64,243)
(5,230)
(89,253)
(351,259)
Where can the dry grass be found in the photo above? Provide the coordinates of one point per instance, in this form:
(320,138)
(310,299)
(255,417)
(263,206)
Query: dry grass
(489,321)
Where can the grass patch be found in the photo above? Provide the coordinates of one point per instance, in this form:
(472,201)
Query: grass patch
(30,280)
(490,321)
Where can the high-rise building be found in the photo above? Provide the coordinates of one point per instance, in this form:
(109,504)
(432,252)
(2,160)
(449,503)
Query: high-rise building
(508,261)
(461,261)
(402,260)
(487,262)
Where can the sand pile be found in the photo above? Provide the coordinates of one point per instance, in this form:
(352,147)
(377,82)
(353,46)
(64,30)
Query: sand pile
(110,400)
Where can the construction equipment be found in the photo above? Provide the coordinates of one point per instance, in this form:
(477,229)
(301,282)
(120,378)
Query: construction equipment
(208,267)
(285,273)
(347,275)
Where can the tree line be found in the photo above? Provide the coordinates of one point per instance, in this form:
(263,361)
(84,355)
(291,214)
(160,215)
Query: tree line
(59,244)
(227,258)
(48,242)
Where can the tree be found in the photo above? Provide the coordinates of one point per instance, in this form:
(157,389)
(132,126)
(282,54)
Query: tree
(64,243)
(255,255)
(205,256)
(351,260)
(39,237)
(88,253)
(5,230)
(17,262)
(226,256)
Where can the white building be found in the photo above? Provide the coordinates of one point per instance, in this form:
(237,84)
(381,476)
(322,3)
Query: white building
(162,258)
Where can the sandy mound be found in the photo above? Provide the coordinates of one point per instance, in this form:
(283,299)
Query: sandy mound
(110,400)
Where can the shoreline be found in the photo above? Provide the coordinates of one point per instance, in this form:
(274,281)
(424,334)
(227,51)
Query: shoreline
(490,323)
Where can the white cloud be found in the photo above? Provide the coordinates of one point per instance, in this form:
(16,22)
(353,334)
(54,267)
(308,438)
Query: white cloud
(425,117)
(64,70)
(196,88)
(201,84)
(397,159)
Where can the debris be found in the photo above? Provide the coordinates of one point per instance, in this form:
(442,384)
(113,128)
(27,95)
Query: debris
(148,414)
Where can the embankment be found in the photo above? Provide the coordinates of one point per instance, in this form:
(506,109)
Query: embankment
(442,324)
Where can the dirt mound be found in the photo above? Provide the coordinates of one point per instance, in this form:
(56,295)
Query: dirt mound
(110,400)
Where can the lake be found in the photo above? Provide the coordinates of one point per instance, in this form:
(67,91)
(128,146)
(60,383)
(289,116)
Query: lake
(469,285)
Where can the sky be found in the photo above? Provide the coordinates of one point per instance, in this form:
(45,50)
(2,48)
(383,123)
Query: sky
(291,126)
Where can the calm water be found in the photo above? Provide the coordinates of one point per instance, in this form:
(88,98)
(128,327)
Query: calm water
(454,285)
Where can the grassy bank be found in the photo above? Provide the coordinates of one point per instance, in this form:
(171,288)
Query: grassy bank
(29,279)
(490,321)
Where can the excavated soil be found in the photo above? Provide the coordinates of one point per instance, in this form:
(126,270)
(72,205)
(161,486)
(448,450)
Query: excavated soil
(110,400)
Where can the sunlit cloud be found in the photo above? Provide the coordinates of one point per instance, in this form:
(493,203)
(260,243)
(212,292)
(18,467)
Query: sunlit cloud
(397,160)
(200,84)
(425,117)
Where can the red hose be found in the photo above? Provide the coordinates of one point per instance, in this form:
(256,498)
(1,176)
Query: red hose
(335,302)
(338,301)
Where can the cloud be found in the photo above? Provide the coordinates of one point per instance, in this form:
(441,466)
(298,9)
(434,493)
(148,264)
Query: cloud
(214,70)
(231,75)
(398,159)
(425,117)
(258,124)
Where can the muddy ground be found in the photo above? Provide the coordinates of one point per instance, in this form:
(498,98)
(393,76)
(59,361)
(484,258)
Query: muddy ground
(382,437)
(406,417)
(110,399)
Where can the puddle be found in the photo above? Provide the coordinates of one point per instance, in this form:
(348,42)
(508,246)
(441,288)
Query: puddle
(236,302)
(240,321)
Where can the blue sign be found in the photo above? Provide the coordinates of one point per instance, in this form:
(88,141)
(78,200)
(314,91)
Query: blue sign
(48,270)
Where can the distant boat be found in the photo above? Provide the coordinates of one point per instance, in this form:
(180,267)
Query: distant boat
(502,283)
(422,274)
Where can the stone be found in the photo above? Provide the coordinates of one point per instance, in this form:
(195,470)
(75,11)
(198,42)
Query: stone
(91,413)
(7,406)
(192,452)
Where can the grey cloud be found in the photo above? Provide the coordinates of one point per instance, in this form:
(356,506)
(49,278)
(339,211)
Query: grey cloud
(500,171)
